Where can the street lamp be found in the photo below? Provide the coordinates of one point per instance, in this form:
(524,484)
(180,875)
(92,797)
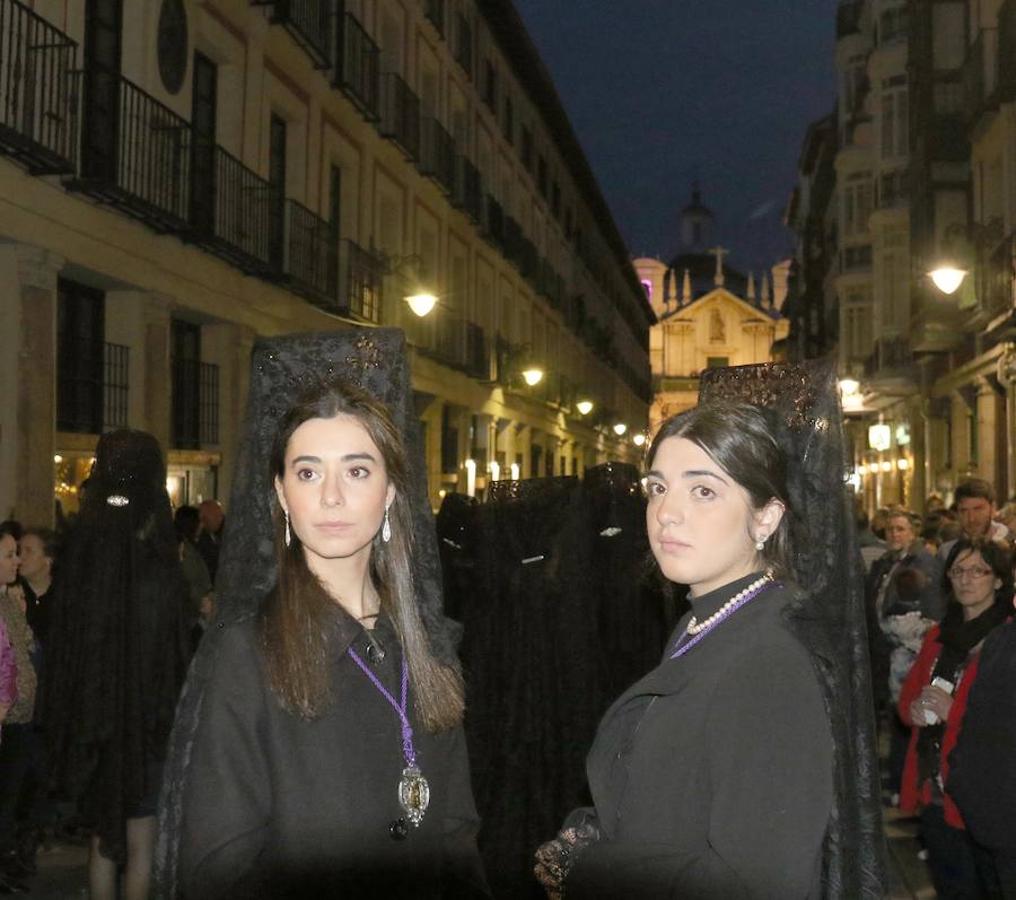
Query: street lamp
(620,428)
(639,439)
(420,300)
(585,407)
(947,278)
(421,303)
(532,375)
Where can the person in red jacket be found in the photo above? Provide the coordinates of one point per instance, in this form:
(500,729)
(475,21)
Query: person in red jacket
(979,584)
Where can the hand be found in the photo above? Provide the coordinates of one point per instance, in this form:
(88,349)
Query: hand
(555,858)
(937,700)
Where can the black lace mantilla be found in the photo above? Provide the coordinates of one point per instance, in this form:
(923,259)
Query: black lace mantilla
(282,368)
(803,404)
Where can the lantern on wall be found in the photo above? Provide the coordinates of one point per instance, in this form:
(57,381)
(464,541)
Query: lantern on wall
(879,437)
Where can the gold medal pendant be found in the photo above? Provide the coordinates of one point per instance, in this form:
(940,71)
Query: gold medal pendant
(414,794)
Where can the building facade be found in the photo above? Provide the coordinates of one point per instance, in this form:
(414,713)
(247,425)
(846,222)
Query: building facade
(178,178)
(709,314)
(923,178)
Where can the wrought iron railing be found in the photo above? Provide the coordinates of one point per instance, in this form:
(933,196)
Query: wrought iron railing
(232,212)
(996,289)
(477,352)
(309,22)
(493,223)
(311,254)
(115,386)
(143,164)
(208,403)
(469,190)
(512,239)
(434,10)
(357,66)
(38,107)
(361,275)
(437,153)
(400,114)
(891,356)
(980,74)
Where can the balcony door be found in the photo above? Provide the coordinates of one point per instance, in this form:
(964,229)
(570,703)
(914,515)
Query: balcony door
(101,101)
(203,122)
(277,191)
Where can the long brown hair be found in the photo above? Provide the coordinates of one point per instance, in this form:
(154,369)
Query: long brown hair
(299,614)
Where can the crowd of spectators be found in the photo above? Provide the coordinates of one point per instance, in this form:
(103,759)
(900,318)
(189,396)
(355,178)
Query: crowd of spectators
(940,595)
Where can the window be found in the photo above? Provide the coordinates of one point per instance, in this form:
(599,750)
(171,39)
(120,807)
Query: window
(717,362)
(857,203)
(508,123)
(464,43)
(490,85)
(80,357)
(186,367)
(526,151)
(895,130)
(857,323)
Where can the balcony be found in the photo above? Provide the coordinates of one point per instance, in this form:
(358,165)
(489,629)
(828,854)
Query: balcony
(453,342)
(848,19)
(551,285)
(437,154)
(493,224)
(512,239)
(195,404)
(400,115)
(234,212)
(38,106)
(357,67)
(1007,51)
(434,10)
(310,267)
(995,284)
(469,190)
(980,75)
(855,259)
(135,152)
(360,282)
(890,368)
(308,21)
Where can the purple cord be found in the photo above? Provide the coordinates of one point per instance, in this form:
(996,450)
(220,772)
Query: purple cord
(408,751)
(684,648)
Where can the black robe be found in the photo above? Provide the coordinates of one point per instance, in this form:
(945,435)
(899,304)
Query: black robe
(278,807)
(712,777)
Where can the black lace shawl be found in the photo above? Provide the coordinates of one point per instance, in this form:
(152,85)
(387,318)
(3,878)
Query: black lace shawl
(829,619)
(117,651)
(282,368)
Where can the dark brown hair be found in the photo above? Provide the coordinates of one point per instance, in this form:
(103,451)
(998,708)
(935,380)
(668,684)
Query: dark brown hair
(298,614)
(740,441)
(996,554)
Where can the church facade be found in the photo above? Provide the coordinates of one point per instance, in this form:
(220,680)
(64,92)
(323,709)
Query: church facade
(708,314)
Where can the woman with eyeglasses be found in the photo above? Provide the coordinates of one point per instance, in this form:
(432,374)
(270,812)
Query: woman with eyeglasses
(979,585)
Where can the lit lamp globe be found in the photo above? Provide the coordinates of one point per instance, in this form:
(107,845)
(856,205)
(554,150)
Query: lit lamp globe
(620,428)
(849,386)
(421,303)
(532,375)
(585,407)
(639,439)
(947,278)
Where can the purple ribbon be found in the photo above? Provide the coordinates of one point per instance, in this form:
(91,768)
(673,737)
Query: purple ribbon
(681,649)
(408,751)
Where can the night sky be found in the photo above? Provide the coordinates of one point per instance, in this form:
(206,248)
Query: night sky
(661,92)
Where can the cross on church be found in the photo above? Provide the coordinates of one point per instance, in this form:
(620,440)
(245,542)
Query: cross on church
(719,252)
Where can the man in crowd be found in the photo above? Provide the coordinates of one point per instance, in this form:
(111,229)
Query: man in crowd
(213,520)
(38,549)
(975,507)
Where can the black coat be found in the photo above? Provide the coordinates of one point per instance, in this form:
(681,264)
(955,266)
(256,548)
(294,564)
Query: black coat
(982,766)
(281,807)
(712,777)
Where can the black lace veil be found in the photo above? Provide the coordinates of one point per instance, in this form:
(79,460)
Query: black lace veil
(803,405)
(117,652)
(282,368)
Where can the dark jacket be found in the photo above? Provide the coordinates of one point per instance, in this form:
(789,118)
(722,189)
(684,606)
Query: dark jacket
(712,777)
(916,584)
(277,806)
(982,774)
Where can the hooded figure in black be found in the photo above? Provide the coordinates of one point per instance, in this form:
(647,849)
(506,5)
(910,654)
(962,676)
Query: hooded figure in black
(117,657)
(318,749)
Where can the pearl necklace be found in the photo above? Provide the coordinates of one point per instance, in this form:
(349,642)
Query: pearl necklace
(694,626)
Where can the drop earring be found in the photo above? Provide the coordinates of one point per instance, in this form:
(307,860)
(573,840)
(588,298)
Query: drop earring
(289,536)
(386,528)
(760,543)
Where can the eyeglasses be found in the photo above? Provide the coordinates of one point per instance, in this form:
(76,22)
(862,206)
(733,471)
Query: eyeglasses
(958,574)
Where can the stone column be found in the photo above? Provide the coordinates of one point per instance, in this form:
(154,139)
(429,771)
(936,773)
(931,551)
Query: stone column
(988,462)
(234,342)
(158,386)
(35,435)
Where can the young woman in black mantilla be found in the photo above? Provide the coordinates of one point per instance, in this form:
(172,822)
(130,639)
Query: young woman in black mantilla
(726,771)
(328,757)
